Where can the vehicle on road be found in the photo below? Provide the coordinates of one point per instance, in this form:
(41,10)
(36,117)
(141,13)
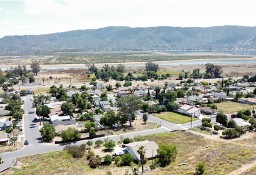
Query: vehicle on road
(26,142)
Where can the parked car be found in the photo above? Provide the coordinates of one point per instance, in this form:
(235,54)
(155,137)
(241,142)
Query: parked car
(26,142)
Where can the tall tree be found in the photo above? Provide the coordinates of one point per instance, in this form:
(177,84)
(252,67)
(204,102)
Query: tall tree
(213,71)
(35,66)
(150,66)
(141,151)
(47,132)
(128,106)
(120,68)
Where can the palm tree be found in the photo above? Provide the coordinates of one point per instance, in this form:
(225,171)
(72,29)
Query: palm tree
(141,151)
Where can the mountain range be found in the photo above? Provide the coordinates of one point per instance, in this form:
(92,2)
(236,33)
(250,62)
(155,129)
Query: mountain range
(220,38)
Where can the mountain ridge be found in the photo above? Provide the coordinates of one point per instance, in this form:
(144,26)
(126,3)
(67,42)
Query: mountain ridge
(123,38)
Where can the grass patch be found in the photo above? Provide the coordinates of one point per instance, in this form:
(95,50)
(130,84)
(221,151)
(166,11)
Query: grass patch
(251,171)
(229,107)
(197,129)
(168,72)
(175,117)
(41,90)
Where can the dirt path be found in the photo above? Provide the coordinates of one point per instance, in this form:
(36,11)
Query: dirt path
(244,168)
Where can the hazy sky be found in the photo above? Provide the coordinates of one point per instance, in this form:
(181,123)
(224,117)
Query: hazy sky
(48,16)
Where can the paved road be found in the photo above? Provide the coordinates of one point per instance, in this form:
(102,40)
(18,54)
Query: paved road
(32,134)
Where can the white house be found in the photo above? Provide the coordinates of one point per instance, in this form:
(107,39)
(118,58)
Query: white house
(149,146)
(189,110)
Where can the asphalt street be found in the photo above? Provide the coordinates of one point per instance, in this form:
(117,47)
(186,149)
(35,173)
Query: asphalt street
(35,146)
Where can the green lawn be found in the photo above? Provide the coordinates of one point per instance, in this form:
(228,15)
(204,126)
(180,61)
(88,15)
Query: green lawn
(174,117)
(229,107)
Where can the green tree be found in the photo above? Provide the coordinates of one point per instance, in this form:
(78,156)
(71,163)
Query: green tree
(31,79)
(47,132)
(120,68)
(108,159)
(221,118)
(150,66)
(213,71)
(67,108)
(200,168)
(35,66)
(172,106)
(166,154)
(127,159)
(70,134)
(231,124)
(141,151)
(110,144)
(145,117)
(43,110)
(92,133)
(128,106)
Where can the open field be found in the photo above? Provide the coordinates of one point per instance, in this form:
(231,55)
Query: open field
(197,129)
(175,117)
(220,158)
(229,107)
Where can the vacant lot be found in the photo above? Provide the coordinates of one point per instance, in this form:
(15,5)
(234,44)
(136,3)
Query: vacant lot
(220,158)
(229,107)
(174,117)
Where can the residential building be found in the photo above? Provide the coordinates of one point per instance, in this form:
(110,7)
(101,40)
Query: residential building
(149,146)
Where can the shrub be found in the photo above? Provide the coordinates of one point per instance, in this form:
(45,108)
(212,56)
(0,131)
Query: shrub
(206,120)
(110,144)
(92,133)
(95,161)
(75,151)
(145,117)
(90,155)
(217,127)
(127,140)
(166,154)
(247,112)
(99,143)
(206,124)
(200,168)
(70,134)
(118,160)
(231,133)
(127,159)
(231,124)
(108,159)
(89,143)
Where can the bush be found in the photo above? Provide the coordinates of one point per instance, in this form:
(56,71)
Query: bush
(217,127)
(89,143)
(108,159)
(166,154)
(231,124)
(95,161)
(92,133)
(127,140)
(75,151)
(118,160)
(145,117)
(200,168)
(127,159)
(247,112)
(90,155)
(31,79)
(206,124)
(70,134)
(232,132)
(206,120)
(110,144)
(99,143)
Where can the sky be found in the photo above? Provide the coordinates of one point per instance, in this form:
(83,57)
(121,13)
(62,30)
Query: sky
(23,17)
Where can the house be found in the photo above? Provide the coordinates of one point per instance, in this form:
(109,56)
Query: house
(189,110)
(4,112)
(5,124)
(241,122)
(4,138)
(99,85)
(207,110)
(64,122)
(251,101)
(54,104)
(60,118)
(149,146)
(105,105)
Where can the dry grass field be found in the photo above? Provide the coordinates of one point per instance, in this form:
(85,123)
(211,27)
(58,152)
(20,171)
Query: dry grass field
(229,107)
